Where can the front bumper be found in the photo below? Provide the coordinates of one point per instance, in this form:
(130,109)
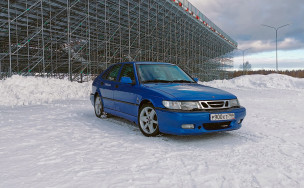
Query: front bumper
(170,122)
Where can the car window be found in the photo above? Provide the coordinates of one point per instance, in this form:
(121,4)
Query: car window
(162,72)
(127,71)
(105,75)
(112,74)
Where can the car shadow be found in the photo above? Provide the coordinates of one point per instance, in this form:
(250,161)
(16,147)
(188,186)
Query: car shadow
(218,136)
(220,139)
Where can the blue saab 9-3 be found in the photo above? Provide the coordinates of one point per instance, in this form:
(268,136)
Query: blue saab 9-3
(162,98)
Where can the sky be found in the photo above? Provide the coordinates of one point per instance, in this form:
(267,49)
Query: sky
(242,20)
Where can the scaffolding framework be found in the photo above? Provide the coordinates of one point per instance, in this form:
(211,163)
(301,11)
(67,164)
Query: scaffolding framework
(73,38)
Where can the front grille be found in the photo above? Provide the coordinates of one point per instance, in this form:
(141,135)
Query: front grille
(217,104)
(217,126)
(211,105)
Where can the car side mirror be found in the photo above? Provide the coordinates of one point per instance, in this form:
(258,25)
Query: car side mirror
(196,79)
(126,80)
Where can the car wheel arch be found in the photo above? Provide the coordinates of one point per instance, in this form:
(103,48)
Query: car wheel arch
(144,101)
(95,95)
(98,93)
(156,102)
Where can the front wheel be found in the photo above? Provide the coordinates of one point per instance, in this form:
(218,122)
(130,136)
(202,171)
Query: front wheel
(147,120)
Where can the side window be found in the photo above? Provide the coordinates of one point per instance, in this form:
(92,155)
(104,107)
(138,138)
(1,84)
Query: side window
(112,74)
(104,76)
(127,71)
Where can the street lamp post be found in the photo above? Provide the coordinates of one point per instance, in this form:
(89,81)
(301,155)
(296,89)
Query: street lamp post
(276,29)
(244,58)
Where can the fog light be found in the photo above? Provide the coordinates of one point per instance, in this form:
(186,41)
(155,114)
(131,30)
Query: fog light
(240,121)
(188,126)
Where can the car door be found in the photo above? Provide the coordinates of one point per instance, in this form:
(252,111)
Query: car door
(125,95)
(107,86)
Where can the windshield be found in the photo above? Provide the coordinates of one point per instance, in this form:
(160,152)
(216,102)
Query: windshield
(149,73)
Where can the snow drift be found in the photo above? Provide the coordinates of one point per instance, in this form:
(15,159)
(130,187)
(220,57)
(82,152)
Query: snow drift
(19,90)
(275,81)
(63,144)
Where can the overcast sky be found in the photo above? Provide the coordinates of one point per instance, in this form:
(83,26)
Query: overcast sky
(242,20)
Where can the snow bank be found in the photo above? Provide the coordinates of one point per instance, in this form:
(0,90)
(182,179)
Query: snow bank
(19,90)
(65,145)
(276,81)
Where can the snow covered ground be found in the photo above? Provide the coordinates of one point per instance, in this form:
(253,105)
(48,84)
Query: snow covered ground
(50,137)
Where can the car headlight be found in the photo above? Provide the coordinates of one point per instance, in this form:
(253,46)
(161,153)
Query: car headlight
(234,103)
(180,105)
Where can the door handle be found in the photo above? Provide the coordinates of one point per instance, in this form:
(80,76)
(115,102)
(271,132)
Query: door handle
(116,86)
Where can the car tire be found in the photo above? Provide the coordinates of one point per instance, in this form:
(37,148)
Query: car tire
(147,120)
(98,106)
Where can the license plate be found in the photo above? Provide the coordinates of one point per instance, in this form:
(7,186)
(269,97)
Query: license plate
(219,117)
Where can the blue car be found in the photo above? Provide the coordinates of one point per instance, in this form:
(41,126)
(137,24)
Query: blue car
(162,98)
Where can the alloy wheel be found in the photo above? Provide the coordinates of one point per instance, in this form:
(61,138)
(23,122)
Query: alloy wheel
(148,121)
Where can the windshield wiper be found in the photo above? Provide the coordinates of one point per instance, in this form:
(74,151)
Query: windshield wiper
(156,81)
(182,81)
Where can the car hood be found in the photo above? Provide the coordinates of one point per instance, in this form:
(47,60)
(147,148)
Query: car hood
(191,91)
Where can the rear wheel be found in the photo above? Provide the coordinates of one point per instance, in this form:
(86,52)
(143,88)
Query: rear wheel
(147,120)
(98,106)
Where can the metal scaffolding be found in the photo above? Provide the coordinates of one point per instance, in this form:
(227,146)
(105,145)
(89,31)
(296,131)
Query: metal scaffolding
(81,38)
